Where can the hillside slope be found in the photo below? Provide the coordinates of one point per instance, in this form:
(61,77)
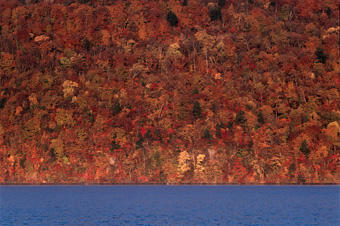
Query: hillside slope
(169,91)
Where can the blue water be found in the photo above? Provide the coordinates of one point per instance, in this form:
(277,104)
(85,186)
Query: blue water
(169,205)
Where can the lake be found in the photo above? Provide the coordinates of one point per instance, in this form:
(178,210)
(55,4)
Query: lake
(170,205)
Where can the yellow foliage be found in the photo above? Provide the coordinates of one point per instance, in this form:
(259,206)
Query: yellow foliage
(31,128)
(138,69)
(11,159)
(64,118)
(6,62)
(58,146)
(187,132)
(207,40)
(165,123)
(82,134)
(200,160)
(183,162)
(121,136)
(333,130)
(69,88)
(258,168)
(173,51)
(251,119)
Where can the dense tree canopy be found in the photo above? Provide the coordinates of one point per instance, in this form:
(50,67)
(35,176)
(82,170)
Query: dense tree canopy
(169,91)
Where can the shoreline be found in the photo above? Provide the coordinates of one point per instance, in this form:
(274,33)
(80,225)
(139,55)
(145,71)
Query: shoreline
(168,184)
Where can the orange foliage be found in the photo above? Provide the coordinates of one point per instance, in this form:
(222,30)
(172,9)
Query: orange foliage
(109,92)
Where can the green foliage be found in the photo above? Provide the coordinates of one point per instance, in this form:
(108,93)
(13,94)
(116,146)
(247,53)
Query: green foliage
(114,145)
(85,1)
(321,55)
(304,148)
(64,61)
(140,140)
(53,155)
(240,118)
(221,3)
(230,125)
(218,131)
(215,14)
(206,134)
(196,111)
(285,11)
(251,143)
(116,107)
(260,118)
(2,102)
(195,90)
(249,107)
(172,19)
(46,81)
(329,11)
(156,156)
(301,179)
(22,162)
(71,109)
(87,44)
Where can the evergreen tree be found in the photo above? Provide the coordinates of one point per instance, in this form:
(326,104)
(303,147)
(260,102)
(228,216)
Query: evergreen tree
(240,118)
(53,155)
(196,111)
(206,134)
(260,118)
(322,57)
(114,144)
(218,131)
(195,90)
(304,148)
(221,3)
(87,44)
(230,125)
(215,14)
(139,142)
(2,102)
(172,19)
(116,108)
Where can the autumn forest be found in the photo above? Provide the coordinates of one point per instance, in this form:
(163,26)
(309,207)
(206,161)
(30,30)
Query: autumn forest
(169,91)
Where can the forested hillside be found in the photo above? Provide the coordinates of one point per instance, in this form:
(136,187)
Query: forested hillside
(169,91)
